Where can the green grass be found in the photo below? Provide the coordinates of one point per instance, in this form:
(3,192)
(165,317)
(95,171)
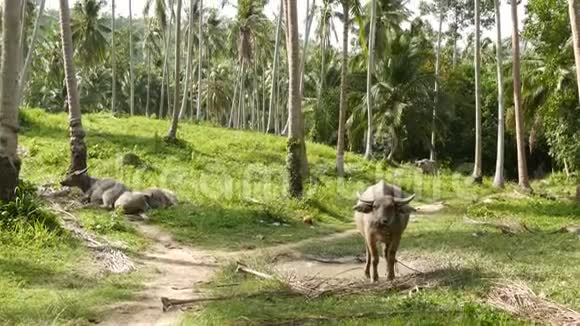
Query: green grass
(49,278)
(232,190)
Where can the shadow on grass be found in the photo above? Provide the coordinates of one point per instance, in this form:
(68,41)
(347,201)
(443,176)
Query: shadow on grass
(238,228)
(537,208)
(32,274)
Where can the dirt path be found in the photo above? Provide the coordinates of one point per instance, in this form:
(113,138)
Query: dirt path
(173,270)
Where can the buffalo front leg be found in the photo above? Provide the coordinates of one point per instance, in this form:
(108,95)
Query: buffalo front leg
(391,258)
(374,253)
(386,252)
(368,262)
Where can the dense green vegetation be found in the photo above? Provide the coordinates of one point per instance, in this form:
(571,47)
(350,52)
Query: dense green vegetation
(402,84)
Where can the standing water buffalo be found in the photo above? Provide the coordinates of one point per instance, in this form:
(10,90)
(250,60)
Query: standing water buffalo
(381,215)
(427,166)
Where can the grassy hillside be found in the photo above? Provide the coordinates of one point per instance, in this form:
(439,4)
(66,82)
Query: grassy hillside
(232,188)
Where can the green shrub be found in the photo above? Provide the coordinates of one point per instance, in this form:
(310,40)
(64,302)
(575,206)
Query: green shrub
(25,210)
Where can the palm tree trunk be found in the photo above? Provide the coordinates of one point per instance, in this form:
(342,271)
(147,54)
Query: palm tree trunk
(296,131)
(113,60)
(200,66)
(499,179)
(322,68)
(477,168)
(343,92)
(263,127)
(370,70)
(165,66)
(574,11)
(131,73)
(77,134)
(22,41)
(231,120)
(11,52)
(432,152)
(172,133)
(273,95)
(25,68)
(242,107)
(455,34)
(189,64)
(148,82)
(523,179)
(309,20)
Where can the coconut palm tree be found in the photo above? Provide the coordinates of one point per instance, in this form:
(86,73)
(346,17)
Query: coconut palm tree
(89,32)
(113,59)
(11,52)
(347,7)
(200,61)
(370,70)
(25,67)
(76,132)
(498,180)
(296,129)
(188,60)
(574,11)
(275,64)
(131,73)
(172,133)
(477,167)
(250,20)
(441,10)
(523,179)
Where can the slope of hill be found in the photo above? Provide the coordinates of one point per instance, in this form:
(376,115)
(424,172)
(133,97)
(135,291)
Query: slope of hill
(231,185)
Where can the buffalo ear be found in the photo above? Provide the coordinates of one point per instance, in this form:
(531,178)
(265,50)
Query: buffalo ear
(363,207)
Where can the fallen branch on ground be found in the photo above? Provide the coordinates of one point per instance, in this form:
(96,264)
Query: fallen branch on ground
(169,303)
(244,269)
(504,228)
(341,260)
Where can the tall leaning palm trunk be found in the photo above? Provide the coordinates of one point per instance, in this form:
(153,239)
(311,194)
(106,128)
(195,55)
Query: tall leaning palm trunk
(574,11)
(172,133)
(273,98)
(188,61)
(200,62)
(523,179)
(370,70)
(432,152)
(310,9)
(26,66)
(477,173)
(113,59)
(131,72)
(78,149)
(11,52)
(343,92)
(296,130)
(499,179)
